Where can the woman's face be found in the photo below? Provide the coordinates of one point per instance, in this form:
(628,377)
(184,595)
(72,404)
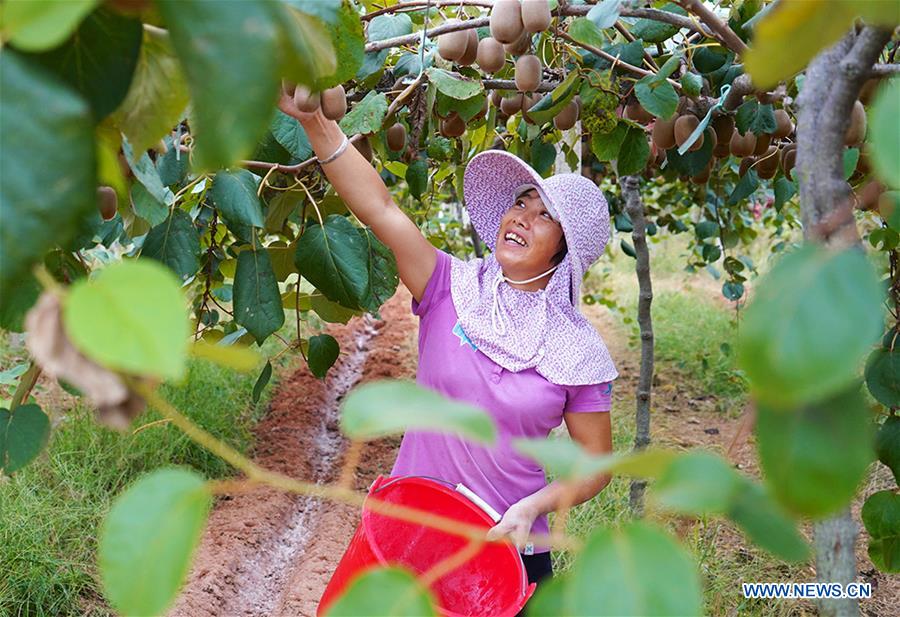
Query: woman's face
(529,237)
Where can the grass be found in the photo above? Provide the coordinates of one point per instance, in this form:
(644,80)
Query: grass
(50,510)
(695,338)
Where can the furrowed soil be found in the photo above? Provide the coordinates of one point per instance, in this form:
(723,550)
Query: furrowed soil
(267,552)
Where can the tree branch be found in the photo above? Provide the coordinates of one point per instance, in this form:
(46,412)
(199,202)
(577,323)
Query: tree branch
(415,37)
(722,31)
(884,70)
(416,5)
(509,84)
(673,19)
(611,58)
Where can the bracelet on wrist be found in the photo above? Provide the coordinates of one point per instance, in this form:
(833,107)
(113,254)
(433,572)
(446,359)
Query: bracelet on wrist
(340,150)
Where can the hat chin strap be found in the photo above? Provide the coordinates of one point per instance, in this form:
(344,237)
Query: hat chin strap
(498,319)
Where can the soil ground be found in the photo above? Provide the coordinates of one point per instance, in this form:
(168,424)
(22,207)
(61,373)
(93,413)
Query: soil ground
(265,552)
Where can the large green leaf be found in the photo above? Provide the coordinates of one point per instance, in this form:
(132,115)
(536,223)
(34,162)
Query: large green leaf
(884,128)
(308,53)
(881,516)
(380,28)
(158,94)
(147,206)
(585,31)
(566,459)
(146,173)
(389,407)
(349,43)
(454,85)
(380,592)
(605,146)
(815,458)
(654,31)
(367,115)
(637,569)
(417,177)
(657,96)
(290,134)
(228,51)
(331,312)
(383,276)
(323,352)
(234,193)
(148,539)
(812,320)
(545,109)
(47,165)
(37,26)
(744,188)
(23,434)
(130,317)
(633,154)
(15,303)
(176,243)
(335,258)
(99,60)
(887,445)
(883,376)
(766,523)
(605,13)
(257,301)
(697,482)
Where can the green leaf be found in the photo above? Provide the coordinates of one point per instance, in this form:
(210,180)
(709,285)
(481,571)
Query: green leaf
(15,303)
(147,206)
(453,85)
(387,407)
(653,31)
(384,591)
(549,599)
(763,120)
(131,317)
(784,190)
(383,276)
(566,459)
(234,193)
(323,352)
(814,458)
(766,523)
(417,178)
(881,516)
(99,60)
(261,382)
(349,42)
(382,27)
(172,166)
(281,207)
(148,539)
(145,172)
(227,52)
(691,163)
(706,229)
(691,84)
(235,357)
(257,301)
(290,134)
(367,115)
(334,258)
(37,26)
(633,154)
(176,243)
(697,483)
(332,312)
(887,445)
(466,109)
(620,572)
(606,146)
(812,320)
(627,248)
(585,31)
(656,96)
(308,55)
(744,188)
(710,59)
(605,13)
(47,162)
(883,130)
(23,434)
(733,291)
(545,109)
(745,115)
(543,156)
(883,376)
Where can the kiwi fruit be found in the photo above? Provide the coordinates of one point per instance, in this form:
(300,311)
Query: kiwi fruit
(536,15)
(567,117)
(453,126)
(511,104)
(721,149)
(788,159)
(396,137)
(520,46)
(724,127)
(742,145)
(107,202)
(528,73)
(663,133)
(746,164)
(490,56)
(767,166)
(365,148)
(868,89)
(702,177)
(471,52)
(684,126)
(334,103)
(634,111)
(496,97)
(783,124)
(856,132)
(452,46)
(762,144)
(305,100)
(506,21)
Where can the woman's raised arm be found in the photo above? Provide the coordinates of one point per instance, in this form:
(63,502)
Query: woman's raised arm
(364,192)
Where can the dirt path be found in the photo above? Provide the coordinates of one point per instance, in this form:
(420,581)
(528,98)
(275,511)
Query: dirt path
(269,553)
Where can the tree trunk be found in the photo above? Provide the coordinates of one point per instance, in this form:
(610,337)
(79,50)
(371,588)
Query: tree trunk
(635,208)
(831,86)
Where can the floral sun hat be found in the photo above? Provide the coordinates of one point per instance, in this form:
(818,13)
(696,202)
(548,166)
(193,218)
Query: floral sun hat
(541,329)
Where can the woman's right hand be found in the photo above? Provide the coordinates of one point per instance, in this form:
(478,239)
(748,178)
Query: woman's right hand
(286,104)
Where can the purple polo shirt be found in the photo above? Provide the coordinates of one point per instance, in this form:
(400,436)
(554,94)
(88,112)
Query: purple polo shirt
(522,404)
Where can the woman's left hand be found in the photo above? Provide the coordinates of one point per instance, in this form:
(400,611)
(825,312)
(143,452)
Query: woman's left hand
(516,523)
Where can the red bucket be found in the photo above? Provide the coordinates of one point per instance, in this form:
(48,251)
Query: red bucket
(493,582)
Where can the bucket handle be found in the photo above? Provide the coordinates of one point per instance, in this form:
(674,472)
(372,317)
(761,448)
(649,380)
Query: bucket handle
(379,485)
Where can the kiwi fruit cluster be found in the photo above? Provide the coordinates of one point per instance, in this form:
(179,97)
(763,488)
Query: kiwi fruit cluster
(460,46)
(333,101)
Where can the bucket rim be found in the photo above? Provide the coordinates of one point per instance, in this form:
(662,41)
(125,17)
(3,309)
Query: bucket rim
(527,589)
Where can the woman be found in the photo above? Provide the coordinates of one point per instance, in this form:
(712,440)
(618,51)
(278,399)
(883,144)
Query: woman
(503,332)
